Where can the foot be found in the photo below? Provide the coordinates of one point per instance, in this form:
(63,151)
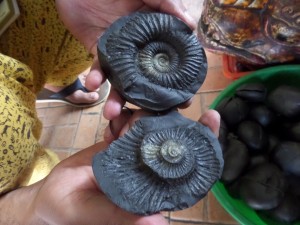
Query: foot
(78,97)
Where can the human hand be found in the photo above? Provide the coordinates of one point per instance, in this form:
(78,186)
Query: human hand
(87,20)
(70,195)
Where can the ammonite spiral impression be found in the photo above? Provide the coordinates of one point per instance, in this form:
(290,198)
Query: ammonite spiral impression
(153,60)
(163,163)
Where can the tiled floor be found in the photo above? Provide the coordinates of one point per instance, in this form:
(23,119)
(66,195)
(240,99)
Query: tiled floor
(68,130)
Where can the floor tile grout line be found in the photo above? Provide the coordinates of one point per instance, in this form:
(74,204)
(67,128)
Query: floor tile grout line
(199,222)
(168,218)
(99,125)
(60,125)
(205,208)
(57,106)
(186,221)
(182,222)
(202,100)
(77,126)
(91,113)
(210,91)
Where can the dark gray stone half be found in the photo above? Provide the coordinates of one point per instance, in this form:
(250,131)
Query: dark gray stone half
(163,163)
(153,60)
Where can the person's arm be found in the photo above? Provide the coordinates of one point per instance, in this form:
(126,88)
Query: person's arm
(16,206)
(68,195)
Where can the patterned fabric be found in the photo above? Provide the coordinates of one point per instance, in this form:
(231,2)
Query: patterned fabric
(35,49)
(39,39)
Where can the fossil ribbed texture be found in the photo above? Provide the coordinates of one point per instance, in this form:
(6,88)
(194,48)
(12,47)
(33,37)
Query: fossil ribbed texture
(153,60)
(162,163)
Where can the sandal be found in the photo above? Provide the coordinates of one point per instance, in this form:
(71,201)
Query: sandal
(50,96)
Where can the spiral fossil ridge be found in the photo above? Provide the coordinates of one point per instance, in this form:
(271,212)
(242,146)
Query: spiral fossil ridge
(164,162)
(153,60)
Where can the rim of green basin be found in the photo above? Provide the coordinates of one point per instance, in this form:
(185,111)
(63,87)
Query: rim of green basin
(271,77)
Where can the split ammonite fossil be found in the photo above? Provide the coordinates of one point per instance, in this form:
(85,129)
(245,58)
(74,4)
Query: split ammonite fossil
(166,161)
(153,60)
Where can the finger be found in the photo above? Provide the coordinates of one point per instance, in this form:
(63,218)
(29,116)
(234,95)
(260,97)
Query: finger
(152,220)
(113,106)
(174,7)
(95,77)
(211,118)
(136,116)
(112,131)
(99,208)
(114,102)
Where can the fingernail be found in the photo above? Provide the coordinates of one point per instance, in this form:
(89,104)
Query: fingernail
(93,95)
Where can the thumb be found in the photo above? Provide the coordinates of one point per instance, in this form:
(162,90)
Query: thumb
(211,118)
(174,7)
(95,76)
(151,220)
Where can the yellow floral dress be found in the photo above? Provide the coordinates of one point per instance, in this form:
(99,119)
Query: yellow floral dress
(36,49)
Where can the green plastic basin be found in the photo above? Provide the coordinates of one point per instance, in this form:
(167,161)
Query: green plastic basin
(271,77)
